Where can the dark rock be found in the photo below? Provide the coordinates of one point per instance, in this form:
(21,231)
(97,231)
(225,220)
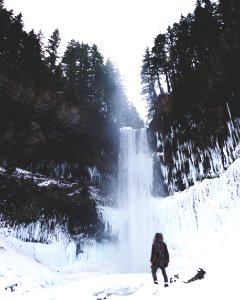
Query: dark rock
(26,198)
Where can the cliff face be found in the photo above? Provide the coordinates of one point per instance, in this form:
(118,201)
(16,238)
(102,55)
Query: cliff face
(39,124)
(68,153)
(30,200)
(196,145)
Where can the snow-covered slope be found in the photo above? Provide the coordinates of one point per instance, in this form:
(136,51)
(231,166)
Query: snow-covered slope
(214,248)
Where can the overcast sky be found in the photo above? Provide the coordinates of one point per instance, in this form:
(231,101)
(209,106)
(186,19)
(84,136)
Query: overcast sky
(122,29)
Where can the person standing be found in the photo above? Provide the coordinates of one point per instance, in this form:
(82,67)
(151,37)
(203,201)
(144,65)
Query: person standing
(159,258)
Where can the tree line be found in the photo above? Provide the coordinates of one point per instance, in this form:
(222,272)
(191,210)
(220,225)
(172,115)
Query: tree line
(80,71)
(58,106)
(196,63)
(191,82)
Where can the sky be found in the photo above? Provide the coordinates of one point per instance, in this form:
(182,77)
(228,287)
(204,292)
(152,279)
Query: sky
(122,29)
(215,249)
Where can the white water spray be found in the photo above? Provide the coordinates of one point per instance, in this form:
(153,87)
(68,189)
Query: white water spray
(134,193)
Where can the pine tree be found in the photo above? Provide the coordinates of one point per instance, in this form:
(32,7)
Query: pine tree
(69,62)
(32,57)
(5,23)
(1,4)
(160,61)
(52,51)
(96,75)
(53,60)
(205,29)
(15,41)
(148,81)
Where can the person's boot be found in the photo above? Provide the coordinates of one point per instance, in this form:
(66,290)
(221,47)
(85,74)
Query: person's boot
(166,284)
(155,281)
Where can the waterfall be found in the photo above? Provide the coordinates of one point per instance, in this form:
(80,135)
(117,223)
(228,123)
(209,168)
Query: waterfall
(135,227)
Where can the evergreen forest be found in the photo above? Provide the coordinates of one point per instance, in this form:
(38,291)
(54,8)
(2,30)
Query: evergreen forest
(61,113)
(58,107)
(191,81)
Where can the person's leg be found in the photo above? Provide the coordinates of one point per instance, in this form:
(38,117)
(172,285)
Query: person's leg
(164,273)
(154,274)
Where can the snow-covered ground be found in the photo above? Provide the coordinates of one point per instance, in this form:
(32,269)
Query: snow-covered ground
(217,253)
(214,248)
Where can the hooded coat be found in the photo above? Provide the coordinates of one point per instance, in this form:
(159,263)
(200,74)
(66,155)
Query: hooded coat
(159,254)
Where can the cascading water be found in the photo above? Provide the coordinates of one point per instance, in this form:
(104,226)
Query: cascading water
(135,227)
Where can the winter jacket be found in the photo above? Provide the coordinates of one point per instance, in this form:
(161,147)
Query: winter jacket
(159,255)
